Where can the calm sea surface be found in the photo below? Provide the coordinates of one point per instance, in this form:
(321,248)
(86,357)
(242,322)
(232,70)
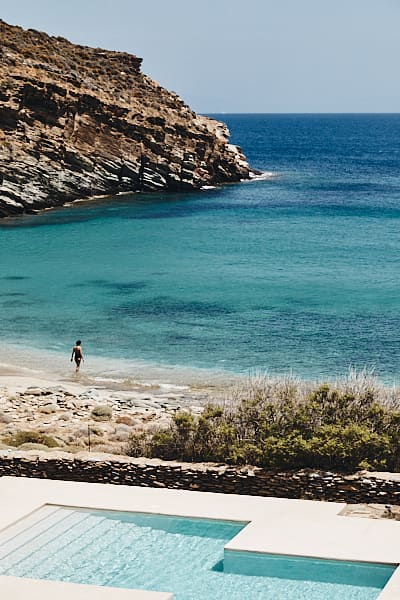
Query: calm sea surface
(297,272)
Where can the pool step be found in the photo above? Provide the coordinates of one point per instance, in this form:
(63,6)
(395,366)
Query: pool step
(71,545)
(43,532)
(39,559)
(28,528)
(78,535)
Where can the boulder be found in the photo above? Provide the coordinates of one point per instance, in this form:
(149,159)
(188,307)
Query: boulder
(101,413)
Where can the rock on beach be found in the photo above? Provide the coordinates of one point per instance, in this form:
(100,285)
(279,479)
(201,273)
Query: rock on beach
(75,416)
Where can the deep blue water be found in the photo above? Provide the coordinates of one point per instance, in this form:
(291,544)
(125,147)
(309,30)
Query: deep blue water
(298,272)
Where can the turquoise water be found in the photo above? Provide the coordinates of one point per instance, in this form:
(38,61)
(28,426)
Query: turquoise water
(297,272)
(184,556)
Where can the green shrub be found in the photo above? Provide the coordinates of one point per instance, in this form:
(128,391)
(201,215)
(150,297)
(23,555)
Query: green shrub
(139,444)
(278,426)
(102,413)
(24,437)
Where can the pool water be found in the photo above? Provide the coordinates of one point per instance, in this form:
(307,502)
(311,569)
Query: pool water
(175,554)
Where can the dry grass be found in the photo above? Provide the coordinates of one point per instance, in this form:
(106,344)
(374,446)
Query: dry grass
(264,387)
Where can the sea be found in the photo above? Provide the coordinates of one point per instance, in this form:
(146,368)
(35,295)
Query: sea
(295,272)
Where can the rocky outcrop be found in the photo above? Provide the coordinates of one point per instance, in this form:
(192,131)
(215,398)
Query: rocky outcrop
(78,122)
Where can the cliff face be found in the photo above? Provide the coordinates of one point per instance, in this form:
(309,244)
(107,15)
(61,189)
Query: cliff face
(77,122)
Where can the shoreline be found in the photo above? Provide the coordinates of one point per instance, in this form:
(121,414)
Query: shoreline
(61,405)
(54,363)
(254,176)
(101,407)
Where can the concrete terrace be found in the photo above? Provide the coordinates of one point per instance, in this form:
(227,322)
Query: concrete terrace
(277,526)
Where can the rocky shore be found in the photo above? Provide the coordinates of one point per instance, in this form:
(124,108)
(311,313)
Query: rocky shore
(78,122)
(45,415)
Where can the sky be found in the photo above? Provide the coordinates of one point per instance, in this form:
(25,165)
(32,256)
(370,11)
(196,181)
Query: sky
(265,56)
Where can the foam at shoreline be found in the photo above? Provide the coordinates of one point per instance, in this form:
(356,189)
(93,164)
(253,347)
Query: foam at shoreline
(110,373)
(32,364)
(263,176)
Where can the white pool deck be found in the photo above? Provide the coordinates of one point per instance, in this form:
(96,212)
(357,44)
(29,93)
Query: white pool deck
(275,525)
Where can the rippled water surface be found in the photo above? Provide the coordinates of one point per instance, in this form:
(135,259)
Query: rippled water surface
(183,556)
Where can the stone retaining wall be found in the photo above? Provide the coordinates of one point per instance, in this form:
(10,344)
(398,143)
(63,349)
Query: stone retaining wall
(383,488)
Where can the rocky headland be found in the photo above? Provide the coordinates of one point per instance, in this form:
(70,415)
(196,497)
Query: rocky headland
(78,122)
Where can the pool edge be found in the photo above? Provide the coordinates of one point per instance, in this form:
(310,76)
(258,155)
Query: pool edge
(300,528)
(16,588)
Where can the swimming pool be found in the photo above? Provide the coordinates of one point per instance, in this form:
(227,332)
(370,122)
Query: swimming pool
(166,553)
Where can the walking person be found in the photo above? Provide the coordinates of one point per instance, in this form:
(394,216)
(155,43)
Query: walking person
(77,354)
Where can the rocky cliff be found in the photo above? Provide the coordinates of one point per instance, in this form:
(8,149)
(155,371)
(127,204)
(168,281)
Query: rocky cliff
(77,122)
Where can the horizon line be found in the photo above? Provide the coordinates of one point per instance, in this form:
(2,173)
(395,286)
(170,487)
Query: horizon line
(213,112)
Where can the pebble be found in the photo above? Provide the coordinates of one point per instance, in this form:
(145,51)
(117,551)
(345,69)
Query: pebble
(66,415)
